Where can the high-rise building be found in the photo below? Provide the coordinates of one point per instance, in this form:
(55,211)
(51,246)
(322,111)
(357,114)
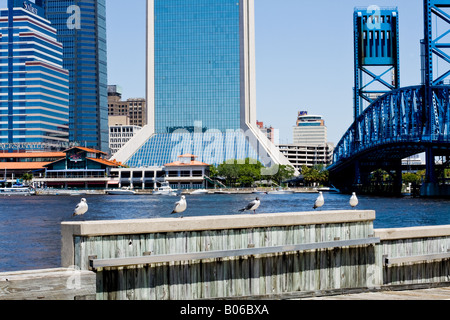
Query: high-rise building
(81,26)
(310,145)
(309,130)
(34,86)
(270,132)
(134,108)
(200,86)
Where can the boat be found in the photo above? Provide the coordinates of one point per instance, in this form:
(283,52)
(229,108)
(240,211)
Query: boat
(220,191)
(329,189)
(256,191)
(200,191)
(281,191)
(23,191)
(122,191)
(165,190)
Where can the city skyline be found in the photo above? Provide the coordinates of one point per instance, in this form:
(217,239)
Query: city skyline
(289,78)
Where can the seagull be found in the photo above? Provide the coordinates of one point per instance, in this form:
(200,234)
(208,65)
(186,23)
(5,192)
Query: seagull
(319,201)
(81,208)
(353,200)
(252,206)
(180,206)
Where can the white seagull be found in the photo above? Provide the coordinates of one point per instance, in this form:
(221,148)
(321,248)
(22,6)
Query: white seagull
(180,206)
(353,200)
(81,208)
(319,201)
(252,206)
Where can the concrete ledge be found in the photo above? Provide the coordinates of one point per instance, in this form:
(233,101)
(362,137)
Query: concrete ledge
(413,232)
(141,226)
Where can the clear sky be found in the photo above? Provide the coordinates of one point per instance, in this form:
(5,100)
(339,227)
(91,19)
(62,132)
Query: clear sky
(304,56)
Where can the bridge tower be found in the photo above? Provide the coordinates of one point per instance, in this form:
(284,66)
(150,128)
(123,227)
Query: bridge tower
(435,70)
(377,63)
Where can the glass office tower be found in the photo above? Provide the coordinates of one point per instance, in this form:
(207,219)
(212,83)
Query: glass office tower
(85,57)
(34,87)
(200,85)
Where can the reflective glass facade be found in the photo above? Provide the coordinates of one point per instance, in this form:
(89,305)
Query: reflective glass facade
(197,64)
(198,83)
(85,58)
(34,87)
(211,147)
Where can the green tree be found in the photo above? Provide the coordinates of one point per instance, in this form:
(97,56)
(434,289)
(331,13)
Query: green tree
(316,174)
(410,177)
(284,173)
(240,173)
(27,177)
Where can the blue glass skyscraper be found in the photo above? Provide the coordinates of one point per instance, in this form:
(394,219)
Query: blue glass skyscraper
(200,85)
(84,43)
(34,87)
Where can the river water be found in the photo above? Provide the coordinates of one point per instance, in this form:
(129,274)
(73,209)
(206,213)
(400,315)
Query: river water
(30,236)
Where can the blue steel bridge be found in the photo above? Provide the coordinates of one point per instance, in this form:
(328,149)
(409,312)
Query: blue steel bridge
(396,122)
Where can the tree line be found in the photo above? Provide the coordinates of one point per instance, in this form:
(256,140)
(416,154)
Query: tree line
(248,173)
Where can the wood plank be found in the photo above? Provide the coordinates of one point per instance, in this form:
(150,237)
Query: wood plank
(119,262)
(50,284)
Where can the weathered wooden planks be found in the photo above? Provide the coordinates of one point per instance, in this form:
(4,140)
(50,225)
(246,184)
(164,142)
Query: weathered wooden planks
(50,284)
(230,276)
(267,274)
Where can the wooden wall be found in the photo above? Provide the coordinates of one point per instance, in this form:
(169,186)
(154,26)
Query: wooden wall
(415,242)
(234,277)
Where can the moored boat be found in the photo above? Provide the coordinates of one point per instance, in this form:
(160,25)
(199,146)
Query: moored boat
(26,191)
(200,191)
(165,190)
(123,191)
(281,191)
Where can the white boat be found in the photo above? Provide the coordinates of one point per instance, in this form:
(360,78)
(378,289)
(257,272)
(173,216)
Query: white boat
(328,189)
(220,191)
(200,191)
(165,190)
(281,191)
(256,191)
(123,191)
(23,191)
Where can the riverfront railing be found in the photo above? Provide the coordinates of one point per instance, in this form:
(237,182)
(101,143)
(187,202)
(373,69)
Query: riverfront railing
(225,256)
(415,255)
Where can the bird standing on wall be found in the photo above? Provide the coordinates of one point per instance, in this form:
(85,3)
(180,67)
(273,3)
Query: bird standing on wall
(180,206)
(252,206)
(353,200)
(81,208)
(320,201)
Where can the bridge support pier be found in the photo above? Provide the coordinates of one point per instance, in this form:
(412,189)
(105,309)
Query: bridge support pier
(398,178)
(430,175)
(431,187)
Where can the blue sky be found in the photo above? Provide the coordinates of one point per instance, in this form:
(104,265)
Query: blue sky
(304,56)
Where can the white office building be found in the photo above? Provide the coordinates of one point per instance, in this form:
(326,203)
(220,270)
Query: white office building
(310,130)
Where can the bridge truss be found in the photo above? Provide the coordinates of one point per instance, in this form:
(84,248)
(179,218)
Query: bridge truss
(403,121)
